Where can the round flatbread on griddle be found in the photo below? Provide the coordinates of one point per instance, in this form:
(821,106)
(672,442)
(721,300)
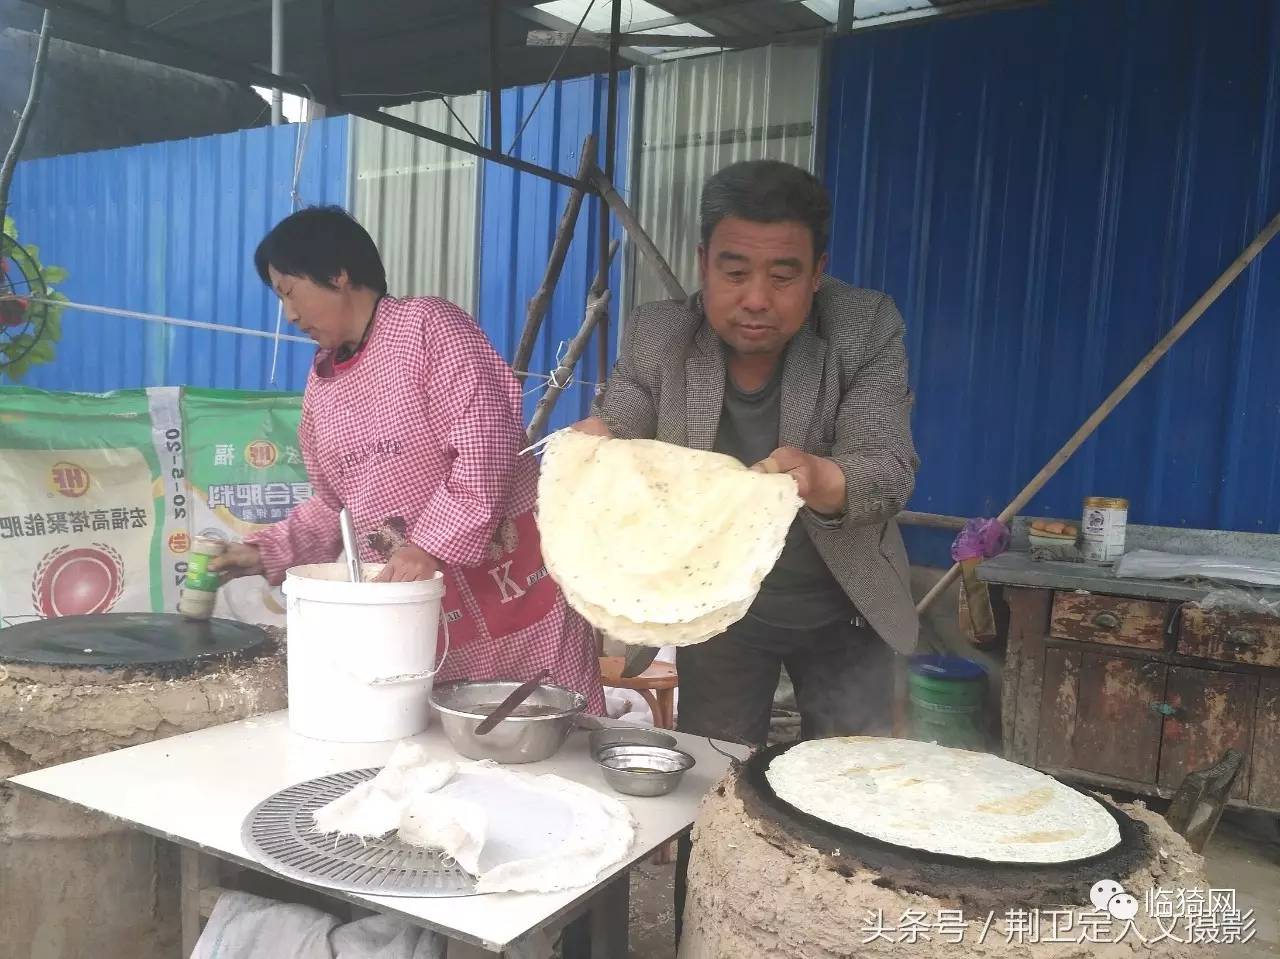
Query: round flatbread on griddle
(952,802)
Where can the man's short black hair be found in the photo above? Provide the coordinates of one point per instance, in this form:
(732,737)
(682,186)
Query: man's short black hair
(767,191)
(319,243)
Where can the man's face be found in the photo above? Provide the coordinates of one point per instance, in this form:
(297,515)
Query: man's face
(758,282)
(321,312)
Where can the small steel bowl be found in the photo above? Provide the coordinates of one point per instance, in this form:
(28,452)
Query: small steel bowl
(463,705)
(629,736)
(643,770)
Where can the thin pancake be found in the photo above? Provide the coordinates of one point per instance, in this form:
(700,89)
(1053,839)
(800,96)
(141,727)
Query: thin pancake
(947,801)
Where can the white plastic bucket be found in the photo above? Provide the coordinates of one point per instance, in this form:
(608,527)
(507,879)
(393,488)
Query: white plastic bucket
(361,656)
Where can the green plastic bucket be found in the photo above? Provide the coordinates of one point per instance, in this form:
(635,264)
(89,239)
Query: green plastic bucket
(946,695)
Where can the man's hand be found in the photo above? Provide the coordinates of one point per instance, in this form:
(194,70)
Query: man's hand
(820,481)
(409,564)
(593,426)
(239,559)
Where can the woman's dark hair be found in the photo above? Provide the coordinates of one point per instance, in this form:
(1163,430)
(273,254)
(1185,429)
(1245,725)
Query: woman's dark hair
(767,191)
(319,243)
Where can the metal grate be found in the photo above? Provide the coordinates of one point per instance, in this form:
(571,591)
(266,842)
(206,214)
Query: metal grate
(280,832)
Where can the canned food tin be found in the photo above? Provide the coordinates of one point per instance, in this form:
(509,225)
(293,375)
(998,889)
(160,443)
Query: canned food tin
(200,589)
(1102,529)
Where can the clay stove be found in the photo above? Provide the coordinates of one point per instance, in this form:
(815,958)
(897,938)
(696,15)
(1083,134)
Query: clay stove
(74,883)
(767,880)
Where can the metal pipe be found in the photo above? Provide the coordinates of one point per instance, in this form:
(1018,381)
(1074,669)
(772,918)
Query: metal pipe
(457,143)
(495,84)
(610,148)
(277,60)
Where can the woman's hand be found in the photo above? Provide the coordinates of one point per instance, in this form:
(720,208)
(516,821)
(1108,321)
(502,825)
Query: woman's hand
(239,559)
(409,564)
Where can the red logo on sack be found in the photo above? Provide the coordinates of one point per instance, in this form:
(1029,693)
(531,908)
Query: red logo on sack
(261,454)
(68,479)
(76,581)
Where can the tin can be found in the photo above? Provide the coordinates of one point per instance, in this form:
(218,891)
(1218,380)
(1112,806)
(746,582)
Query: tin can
(1102,529)
(200,589)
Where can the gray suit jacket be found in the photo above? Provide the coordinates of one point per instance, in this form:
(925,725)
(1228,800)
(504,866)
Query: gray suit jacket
(844,396)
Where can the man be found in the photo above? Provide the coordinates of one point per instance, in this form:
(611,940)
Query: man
(772,358)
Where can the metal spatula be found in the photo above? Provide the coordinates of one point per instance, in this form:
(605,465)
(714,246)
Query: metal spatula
(508,705)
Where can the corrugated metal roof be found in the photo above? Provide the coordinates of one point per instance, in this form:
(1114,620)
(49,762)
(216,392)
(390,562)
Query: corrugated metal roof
(170,228)
(764,20)
(1044,197)
(385,51)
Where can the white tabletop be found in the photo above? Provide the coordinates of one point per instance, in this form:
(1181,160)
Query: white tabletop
(196,789)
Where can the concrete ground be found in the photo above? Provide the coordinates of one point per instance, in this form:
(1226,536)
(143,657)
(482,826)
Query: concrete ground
(1244,855)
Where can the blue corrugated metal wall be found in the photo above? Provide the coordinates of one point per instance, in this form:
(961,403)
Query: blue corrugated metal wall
(170,228)
(520,216)
(1044,191)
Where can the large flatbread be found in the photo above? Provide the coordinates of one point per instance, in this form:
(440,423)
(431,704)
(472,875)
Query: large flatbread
(658,544)
(947,801)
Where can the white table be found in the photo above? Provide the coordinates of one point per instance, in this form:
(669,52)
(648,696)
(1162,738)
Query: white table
(196,790)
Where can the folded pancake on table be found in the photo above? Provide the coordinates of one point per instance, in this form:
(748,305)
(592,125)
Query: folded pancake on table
(657,544)
(951,802)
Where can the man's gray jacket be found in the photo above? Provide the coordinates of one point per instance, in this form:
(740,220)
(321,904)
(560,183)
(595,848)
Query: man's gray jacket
(844,396)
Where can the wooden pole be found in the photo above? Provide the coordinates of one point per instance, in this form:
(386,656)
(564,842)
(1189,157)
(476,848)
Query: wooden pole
(541,302)
(597,307)
(24,119)
(1210,296)
(638,235)
(931,520)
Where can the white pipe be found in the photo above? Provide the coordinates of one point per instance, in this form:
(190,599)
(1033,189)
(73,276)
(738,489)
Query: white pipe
(277,59)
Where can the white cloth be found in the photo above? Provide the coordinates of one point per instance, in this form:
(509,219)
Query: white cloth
(244,926)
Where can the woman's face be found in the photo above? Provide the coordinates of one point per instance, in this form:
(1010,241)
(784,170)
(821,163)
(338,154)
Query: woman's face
(323,313)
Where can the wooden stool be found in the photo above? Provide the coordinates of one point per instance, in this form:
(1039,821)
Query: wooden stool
(657,685)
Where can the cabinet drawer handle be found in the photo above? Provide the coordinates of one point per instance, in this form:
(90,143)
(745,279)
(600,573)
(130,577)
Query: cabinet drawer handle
(1166,710)
(1107,621)
(1241,638)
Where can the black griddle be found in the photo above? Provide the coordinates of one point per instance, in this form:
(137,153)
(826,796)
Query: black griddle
(167,644)
(980,883)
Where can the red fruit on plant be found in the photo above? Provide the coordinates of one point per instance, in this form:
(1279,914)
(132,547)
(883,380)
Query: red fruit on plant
(13,312)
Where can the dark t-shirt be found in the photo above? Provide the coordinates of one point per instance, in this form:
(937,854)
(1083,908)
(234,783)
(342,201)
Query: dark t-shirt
(800,592)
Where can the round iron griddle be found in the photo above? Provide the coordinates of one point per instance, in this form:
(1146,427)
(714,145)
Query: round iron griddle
(168,643)
(979,883)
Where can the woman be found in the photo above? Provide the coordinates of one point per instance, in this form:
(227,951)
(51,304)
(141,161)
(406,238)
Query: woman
(413,422)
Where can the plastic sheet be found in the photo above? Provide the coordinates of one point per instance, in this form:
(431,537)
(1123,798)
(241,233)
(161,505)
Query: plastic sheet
(1236,600)
(1150,564)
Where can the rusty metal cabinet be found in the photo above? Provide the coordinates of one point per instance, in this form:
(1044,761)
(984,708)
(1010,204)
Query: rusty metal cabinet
(1135,692)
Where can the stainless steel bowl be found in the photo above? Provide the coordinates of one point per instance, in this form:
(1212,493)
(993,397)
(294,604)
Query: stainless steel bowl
(540,727)
(643,770)
(629,736)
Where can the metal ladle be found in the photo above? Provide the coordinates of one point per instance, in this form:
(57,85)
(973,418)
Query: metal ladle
(354,571)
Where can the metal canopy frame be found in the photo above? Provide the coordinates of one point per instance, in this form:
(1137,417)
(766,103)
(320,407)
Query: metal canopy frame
(325,82)
(109,26)
(119,34)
